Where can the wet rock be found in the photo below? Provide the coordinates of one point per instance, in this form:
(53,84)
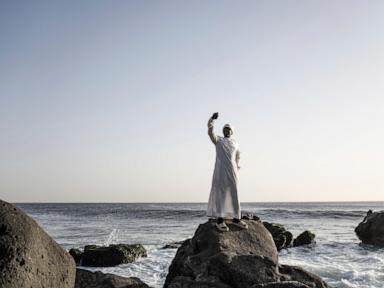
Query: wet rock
(250,216)
(112,255)
(77,254)
(29,257)
(371,229)
(298,274)
(173,245)
(305,238)
(88,279)
(287,284)
(239,258)
(188,282)
(281,237)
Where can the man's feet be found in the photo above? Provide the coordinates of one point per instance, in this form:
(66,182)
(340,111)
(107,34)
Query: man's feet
(239,223)
(222,227)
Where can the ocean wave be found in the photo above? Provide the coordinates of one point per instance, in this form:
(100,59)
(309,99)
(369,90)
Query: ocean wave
(334,214)
(168,210)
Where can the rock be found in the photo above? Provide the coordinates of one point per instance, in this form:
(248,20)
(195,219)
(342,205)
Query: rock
(77,254)
(112,255)
(371,229)
(250,216)
(173,245)
(305,238)
(286,284)
(187,282)
(295,273)
(29,257)
(235,259)
(170,246)
(281,237)
(88,279)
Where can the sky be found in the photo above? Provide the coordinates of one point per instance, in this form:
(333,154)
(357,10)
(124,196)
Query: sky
(108,101)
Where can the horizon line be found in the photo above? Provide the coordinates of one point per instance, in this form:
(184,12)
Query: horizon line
(246,202)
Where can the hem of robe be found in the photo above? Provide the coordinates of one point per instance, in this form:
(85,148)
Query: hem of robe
(224,215)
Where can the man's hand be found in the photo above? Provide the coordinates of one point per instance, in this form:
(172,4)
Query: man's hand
(215,115)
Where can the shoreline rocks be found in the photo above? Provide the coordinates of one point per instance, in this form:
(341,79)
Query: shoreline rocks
(107,256)
(240,258)
(305,238)
(29,257)
(281,237)
(211,259)
(89,279)
(371,229)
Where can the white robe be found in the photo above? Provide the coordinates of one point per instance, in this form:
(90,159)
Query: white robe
(223,200)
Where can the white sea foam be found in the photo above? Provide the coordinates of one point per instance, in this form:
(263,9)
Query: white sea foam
(111,237)
(341,264)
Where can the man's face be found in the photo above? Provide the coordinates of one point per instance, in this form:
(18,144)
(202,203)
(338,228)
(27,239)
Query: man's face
(227,131)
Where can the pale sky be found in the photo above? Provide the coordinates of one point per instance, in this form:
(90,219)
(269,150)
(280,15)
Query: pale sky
(109,100)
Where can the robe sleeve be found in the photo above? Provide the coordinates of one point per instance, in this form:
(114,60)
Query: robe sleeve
(237,158)
(211,133)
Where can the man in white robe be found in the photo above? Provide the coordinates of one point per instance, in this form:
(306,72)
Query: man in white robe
(223,201)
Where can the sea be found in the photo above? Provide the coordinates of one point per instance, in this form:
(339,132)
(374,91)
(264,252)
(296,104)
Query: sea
(337,257)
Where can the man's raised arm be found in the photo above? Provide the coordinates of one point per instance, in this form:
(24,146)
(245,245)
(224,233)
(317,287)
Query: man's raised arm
(211,133)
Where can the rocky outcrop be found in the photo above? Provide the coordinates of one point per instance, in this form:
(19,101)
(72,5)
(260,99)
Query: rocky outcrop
(88,279)
(371,229)
(235,259)
(305,238)
(281,237)
(112,255)
(29,257)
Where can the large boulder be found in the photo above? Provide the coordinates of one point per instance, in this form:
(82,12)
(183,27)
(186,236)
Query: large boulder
(371,229)
(88,279)
(239,258)
(29,257)
(112,255)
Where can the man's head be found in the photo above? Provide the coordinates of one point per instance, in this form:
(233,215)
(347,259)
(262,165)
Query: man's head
(227,130)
